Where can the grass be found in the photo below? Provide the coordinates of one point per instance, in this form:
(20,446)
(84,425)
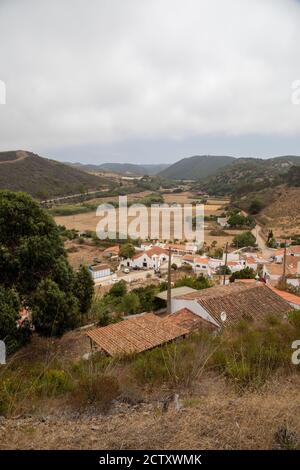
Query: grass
(246,355)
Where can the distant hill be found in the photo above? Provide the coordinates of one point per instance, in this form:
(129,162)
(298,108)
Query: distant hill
(196,168)
(43,178)
(245,175)
(123,168)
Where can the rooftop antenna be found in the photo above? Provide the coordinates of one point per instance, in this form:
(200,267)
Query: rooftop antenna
(169,284)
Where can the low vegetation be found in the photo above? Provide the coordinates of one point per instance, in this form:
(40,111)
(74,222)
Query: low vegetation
(247,355)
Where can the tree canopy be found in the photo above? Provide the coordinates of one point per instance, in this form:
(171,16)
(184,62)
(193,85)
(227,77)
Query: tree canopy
(34,264)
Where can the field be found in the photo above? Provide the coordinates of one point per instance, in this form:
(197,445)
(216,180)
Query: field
(89,220)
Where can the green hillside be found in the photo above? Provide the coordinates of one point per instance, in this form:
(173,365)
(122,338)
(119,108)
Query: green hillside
(43,178)
(245,175)
(196,168)
(123,168)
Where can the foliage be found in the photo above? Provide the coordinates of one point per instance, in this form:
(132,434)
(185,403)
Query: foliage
(200,282)
(54,311)
(84,289)
(244,239)
(246,273)
(255,206)
(118,290)
(31,251)
(239,220)
(127,250)
(221,270)
(130,304)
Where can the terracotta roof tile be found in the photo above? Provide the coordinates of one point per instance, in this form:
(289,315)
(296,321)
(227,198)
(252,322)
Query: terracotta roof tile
(135,334)
(188,320)
(239,301)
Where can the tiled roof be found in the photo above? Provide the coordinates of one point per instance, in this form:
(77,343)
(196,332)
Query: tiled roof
(291,298)
(201,260)
(135,335)
(112,249)
(188,258)
(188,320)
(239,301)
(99,267)
(156,250)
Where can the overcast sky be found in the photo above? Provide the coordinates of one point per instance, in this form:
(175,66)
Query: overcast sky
(149,80)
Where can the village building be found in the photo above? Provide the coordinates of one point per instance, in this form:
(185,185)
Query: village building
(148,259)
(99,271)
(238,301)
(112,251)
(135,335)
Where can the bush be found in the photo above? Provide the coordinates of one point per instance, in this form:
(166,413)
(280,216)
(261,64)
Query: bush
(95,389)
(249,355)
(243,240)
(54,382)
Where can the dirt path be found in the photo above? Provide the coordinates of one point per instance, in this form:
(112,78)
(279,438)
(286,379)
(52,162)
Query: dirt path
(21,155)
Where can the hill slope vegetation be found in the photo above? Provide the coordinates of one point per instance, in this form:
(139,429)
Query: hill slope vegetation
(123,168)
(43,178)
(246,175)
(196,168)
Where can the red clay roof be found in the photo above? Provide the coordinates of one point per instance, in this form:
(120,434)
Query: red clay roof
(135,334)
(190,321)
(291,298)
(112,249)
(156,250)
(239,301)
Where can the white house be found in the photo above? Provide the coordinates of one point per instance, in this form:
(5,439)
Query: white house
(223,221)
(148,259)
(99,270)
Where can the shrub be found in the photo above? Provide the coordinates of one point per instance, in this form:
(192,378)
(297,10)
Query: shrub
(54,382)
(97,389)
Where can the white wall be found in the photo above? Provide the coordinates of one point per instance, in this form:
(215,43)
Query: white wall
(193,306)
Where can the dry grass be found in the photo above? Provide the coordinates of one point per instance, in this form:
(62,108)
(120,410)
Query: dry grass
(214,416)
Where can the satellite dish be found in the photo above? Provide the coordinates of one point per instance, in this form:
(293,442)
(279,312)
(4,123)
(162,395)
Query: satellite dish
(223,316)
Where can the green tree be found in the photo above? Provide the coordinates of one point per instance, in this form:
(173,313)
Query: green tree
(244,239)
(200,282)
(118,290)
(54,311)
(223,270)
(31,251)
(255,206)
(9,313)
(127,250)
(130,304)
(84,289)
(30,242)
(246,273)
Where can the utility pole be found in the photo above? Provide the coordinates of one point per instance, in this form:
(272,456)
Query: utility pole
(284,265)
(225,265)
(169,284)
